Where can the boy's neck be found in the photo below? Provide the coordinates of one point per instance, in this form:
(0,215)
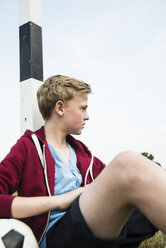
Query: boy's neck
(54,135)
(57,139)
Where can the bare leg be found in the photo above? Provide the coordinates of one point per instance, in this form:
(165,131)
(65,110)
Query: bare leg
(129,181)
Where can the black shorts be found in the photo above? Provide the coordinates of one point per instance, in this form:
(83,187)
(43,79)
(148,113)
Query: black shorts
(71,231)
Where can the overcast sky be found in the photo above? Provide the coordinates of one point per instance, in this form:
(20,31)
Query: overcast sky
(119,47)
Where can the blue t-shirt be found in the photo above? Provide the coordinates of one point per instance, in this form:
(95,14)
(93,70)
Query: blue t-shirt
(67,178)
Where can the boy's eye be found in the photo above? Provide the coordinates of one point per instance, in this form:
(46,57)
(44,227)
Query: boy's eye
(84,108)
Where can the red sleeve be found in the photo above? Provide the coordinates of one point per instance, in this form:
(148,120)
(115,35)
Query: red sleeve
(10,175)
(5,205)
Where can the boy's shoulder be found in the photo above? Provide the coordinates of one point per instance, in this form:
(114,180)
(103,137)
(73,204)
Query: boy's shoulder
(39,133)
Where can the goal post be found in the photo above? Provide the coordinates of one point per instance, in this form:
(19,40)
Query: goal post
(31,63)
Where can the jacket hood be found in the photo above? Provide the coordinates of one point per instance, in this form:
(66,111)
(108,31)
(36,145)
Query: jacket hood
(40,134)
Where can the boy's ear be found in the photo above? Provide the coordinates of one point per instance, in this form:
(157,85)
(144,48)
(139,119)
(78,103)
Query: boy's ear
(59,108)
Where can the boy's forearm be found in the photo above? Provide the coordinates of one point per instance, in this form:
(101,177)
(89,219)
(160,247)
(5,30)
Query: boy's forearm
(23,207)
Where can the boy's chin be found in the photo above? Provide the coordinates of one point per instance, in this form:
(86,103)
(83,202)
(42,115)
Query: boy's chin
(77,132)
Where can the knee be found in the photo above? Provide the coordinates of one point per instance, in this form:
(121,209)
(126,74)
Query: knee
(126,159)
(130,166)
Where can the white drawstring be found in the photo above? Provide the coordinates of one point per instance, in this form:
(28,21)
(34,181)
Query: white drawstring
(42,158)
(38,147)
(90,169)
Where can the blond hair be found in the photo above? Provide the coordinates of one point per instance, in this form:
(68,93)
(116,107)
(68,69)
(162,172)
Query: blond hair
(57,88)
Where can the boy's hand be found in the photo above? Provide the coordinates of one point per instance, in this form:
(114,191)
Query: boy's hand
(66,200)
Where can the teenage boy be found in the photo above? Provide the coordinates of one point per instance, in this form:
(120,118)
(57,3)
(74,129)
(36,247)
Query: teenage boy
(52,197)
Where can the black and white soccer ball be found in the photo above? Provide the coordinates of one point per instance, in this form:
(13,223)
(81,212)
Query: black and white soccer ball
(16,234)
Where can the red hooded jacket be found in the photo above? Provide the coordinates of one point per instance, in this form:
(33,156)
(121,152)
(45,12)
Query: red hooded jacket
(22,171)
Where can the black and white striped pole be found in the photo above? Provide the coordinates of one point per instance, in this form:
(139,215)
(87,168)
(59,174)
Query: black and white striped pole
(31,62)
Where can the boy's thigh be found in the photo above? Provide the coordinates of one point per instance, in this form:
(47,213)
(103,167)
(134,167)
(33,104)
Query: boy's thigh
(71,231)
(105,202)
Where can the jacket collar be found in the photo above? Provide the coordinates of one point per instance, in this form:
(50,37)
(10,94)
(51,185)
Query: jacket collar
(76,144)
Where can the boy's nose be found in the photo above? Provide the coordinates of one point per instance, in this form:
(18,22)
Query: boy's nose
(86,117)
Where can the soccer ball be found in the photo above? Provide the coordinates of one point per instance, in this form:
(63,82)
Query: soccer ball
(16,234)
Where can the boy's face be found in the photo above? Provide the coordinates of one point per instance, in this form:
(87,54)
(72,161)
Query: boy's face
(75,114)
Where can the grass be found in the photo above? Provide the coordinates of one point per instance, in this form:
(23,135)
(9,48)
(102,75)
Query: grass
(157,241)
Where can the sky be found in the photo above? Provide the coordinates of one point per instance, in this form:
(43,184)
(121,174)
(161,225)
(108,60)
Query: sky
(119,47)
